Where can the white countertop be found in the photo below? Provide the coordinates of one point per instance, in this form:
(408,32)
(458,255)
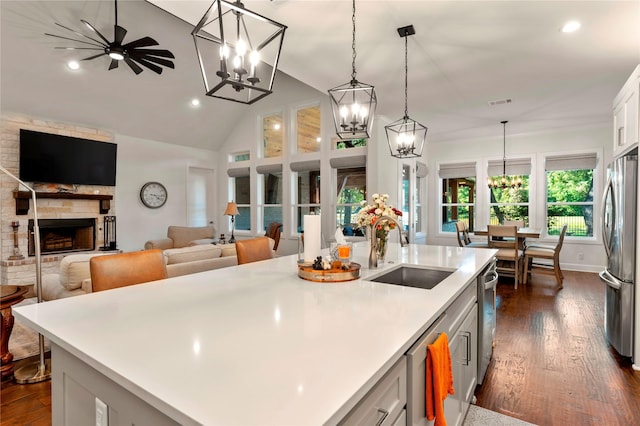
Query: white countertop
(255,344)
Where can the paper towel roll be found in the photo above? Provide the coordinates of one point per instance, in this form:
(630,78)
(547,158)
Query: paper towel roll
(312,238)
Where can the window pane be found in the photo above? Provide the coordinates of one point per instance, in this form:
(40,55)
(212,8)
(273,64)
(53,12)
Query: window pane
(272,214)
(352,185)
(570,186)
(511,195)
(243,220)
(309,187)
(273,188)
(501,213)
(242,190)
(308,129)
(346,219)
(453,214)
(349,143)
(459,190)
(239,156)
(272,134)
(579,220)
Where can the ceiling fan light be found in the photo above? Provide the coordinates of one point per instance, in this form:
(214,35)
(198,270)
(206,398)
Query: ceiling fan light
(570,27)
(116,55)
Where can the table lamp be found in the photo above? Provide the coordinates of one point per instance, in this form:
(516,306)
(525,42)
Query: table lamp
(232,210)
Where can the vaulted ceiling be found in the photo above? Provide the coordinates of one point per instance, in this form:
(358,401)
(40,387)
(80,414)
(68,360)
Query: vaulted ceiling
(464,55)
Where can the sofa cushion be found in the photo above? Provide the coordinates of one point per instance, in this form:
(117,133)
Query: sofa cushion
(228,250)
(202,241)
(183,235)
(192,253)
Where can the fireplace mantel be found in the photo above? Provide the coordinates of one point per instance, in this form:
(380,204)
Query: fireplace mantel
(22,199)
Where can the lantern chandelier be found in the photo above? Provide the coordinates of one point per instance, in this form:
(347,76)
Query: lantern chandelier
(504,183)
(353,103)
(406,136)
(246,66)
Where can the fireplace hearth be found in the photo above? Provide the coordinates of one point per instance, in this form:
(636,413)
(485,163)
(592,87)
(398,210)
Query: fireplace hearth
(64,235)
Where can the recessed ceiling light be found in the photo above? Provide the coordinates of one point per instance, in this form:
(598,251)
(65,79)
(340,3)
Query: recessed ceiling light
(570,27)
(276,126)
(195,102)
(73,65)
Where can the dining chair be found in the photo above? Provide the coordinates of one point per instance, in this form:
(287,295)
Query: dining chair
(518,223)
(253,250)
(124,269)
(545,252)
(273,232)
(462,231)
(504,239)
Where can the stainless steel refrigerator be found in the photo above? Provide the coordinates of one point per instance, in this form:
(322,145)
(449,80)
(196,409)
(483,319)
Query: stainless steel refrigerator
(619,218)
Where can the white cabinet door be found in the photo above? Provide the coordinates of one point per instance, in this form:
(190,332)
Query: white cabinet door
(625,115)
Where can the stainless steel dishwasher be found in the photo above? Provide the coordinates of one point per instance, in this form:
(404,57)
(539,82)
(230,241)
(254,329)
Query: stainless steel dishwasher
(487,281)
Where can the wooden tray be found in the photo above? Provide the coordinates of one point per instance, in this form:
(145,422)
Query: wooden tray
(306,272)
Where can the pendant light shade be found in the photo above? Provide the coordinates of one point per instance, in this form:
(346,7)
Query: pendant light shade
(406,136)
(353,103)
(238,52)
(504,182)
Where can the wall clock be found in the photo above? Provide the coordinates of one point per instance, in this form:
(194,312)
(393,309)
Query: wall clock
(153,195)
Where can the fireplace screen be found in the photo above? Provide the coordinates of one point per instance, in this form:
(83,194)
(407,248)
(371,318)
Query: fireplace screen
(64,235)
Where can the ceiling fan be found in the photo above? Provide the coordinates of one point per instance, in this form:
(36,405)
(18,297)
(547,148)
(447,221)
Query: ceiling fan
(132,53)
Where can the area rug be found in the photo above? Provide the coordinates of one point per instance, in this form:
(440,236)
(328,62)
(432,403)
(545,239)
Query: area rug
(478,416)
(23,342)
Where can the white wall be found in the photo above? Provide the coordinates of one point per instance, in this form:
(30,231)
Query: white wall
(536,146)
(141,161)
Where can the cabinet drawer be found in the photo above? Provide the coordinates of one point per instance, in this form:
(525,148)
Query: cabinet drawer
(385,401)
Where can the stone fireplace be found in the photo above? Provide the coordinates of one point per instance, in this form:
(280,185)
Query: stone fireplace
(64,235)
(70,219)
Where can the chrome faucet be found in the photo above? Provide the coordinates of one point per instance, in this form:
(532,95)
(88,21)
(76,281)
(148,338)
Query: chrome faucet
(373,251)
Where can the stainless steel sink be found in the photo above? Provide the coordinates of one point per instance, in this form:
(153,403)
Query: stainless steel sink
(413,277)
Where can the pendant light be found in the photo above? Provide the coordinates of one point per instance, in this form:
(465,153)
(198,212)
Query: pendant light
(246,66)
(406,136)
(353,103)
(503,183)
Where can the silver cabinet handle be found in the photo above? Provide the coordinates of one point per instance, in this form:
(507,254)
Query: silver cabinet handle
(467,335)
(385,413)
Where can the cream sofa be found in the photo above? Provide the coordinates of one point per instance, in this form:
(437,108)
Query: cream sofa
(72,279)
(183,236)
(199,258)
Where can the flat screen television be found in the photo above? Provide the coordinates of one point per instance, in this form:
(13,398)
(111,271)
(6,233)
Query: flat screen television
(49,158)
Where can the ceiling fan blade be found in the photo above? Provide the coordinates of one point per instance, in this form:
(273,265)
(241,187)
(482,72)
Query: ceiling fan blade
(95,31)
(113,64)
(77,41)
(119,33)
(95,56)
(152,67)
(141,42)
(165,62)
(155,52)
(79,48)
(79,33)
(133,66)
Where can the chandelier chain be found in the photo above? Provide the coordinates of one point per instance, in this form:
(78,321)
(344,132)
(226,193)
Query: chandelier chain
(353,43)
(406,72)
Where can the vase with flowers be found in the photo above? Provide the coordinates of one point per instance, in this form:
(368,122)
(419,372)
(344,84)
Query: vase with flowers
(378,230)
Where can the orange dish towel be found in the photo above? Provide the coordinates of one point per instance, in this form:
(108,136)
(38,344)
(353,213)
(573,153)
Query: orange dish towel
(439,379)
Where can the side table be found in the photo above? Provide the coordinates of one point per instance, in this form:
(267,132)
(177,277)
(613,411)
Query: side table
(9,296)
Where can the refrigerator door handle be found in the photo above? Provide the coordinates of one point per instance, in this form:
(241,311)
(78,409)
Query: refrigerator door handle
(607,241)
(610,280)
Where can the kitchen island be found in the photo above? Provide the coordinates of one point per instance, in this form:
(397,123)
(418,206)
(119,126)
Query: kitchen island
(246,345)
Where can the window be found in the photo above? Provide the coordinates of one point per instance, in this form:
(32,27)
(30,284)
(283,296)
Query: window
(308,195)
(570,194)
(308,129)
(509,203)
(272,135)
(421,181)
(239,156)
(346,144)
(242,196)
(458,195)
(351,190)
(271,193)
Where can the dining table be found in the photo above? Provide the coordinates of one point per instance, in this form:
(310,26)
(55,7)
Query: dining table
(523,234)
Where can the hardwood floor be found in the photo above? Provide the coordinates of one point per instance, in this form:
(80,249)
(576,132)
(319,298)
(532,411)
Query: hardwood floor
(551,363)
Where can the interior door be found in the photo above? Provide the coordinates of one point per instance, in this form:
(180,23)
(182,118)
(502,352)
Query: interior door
(200,196)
